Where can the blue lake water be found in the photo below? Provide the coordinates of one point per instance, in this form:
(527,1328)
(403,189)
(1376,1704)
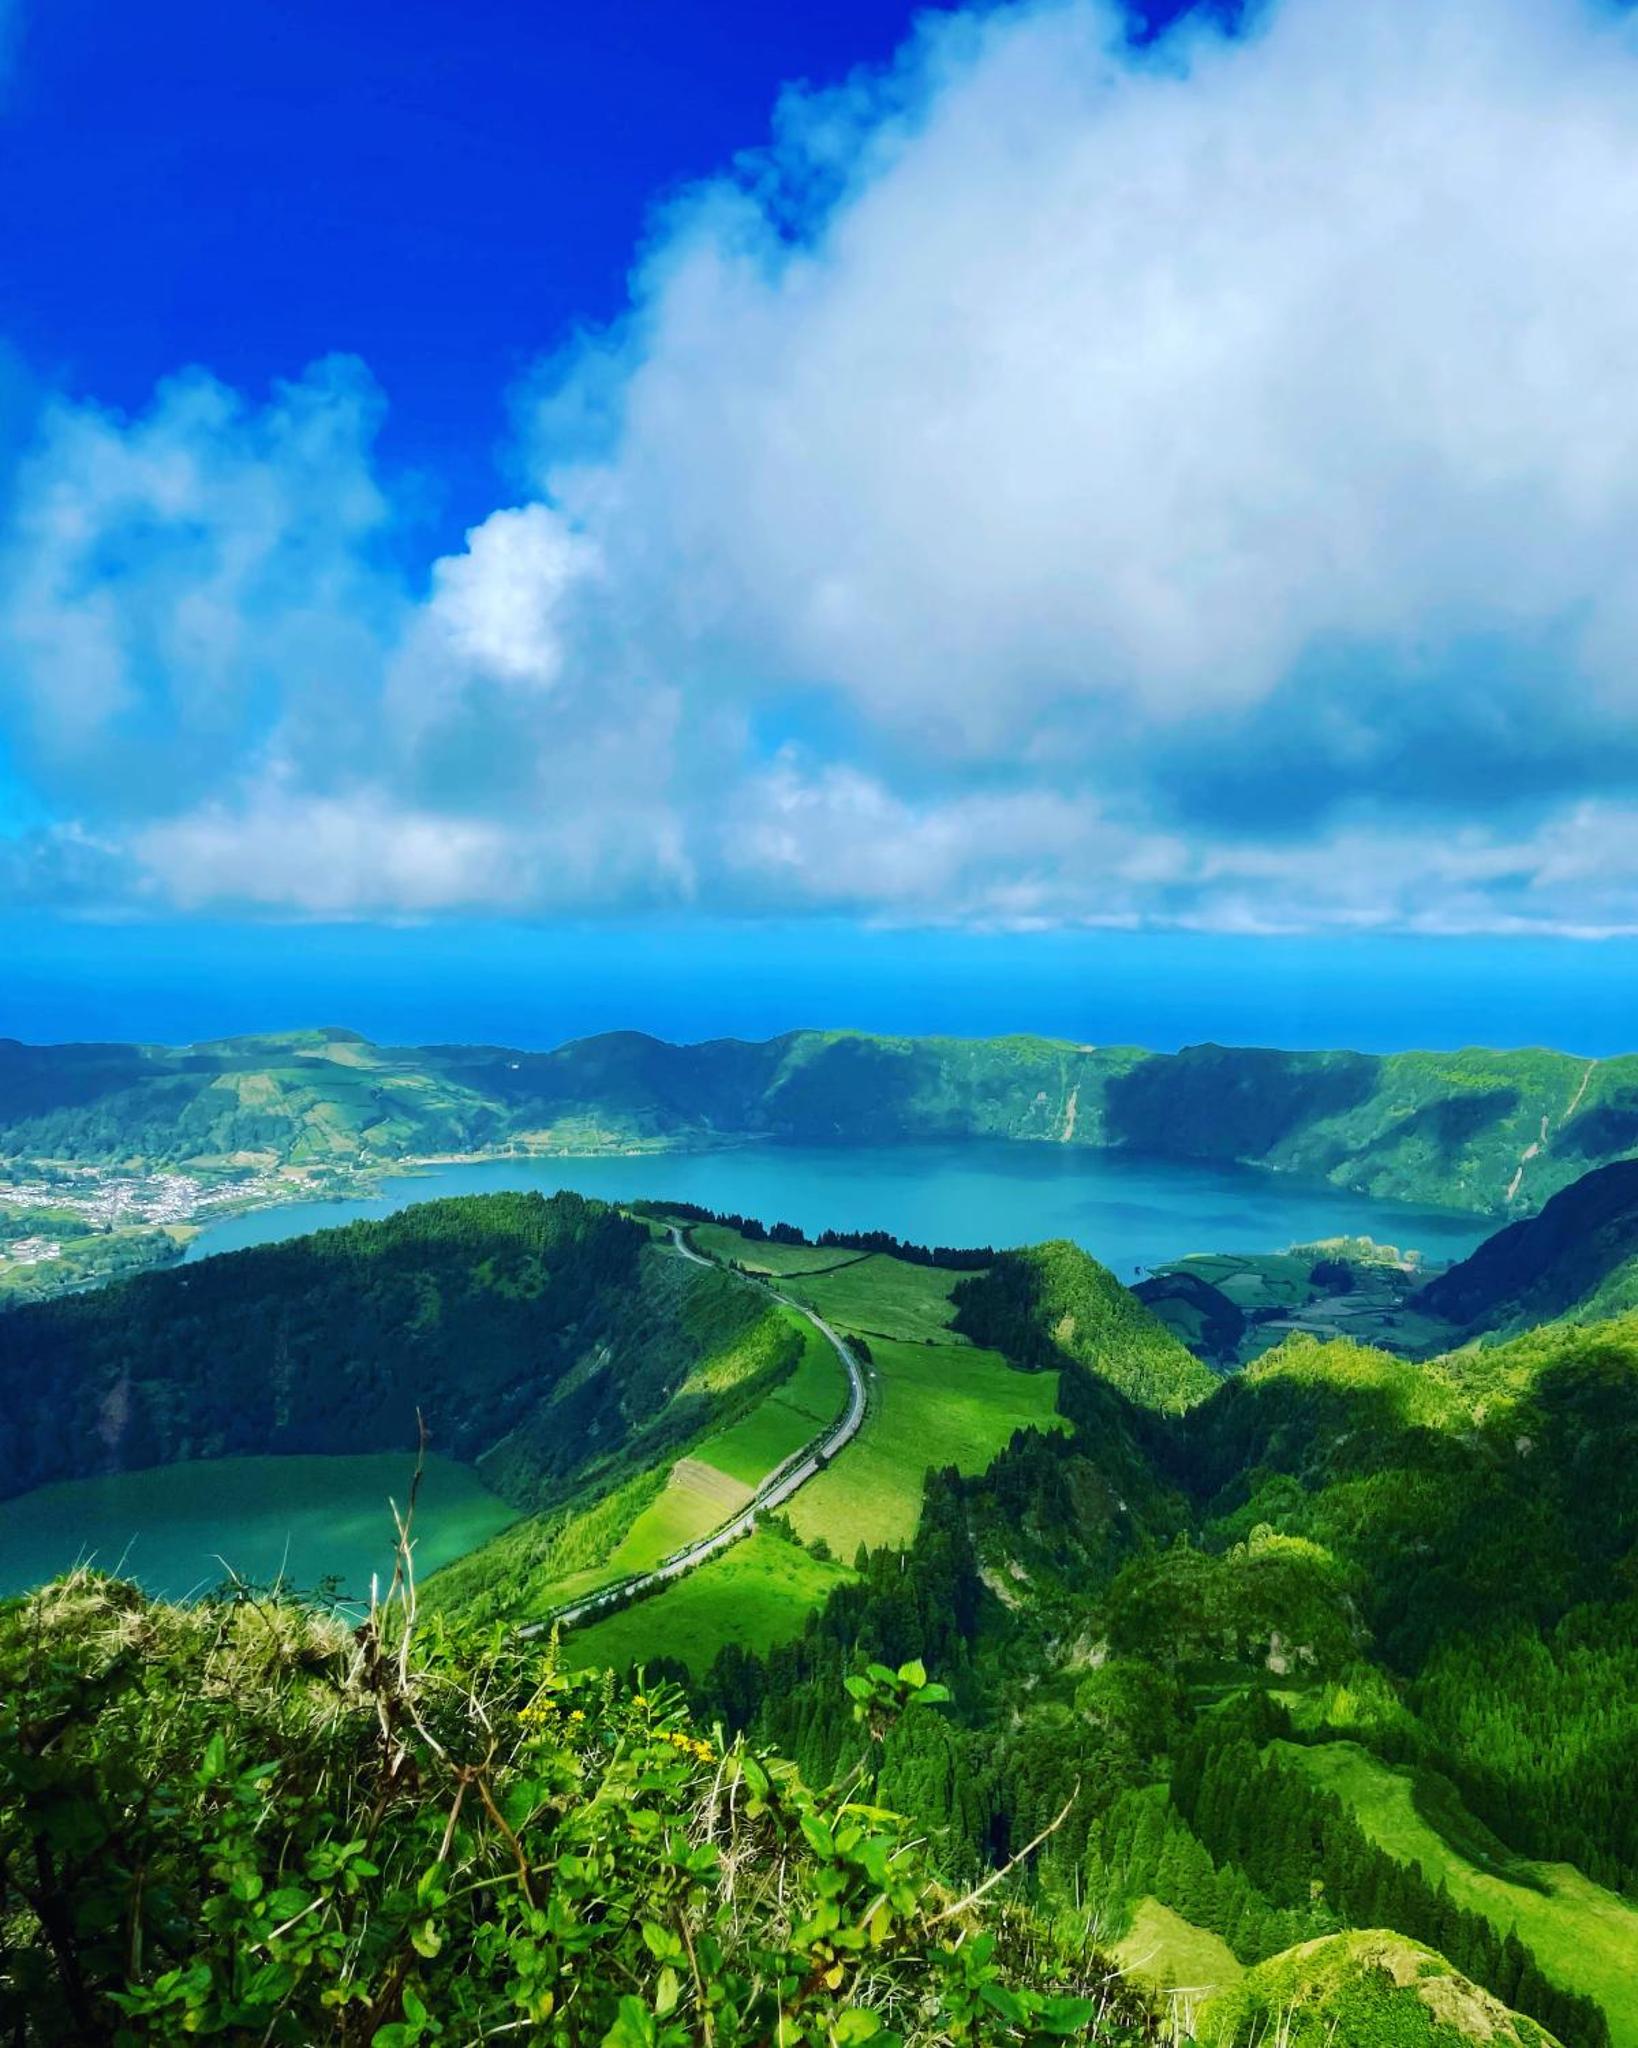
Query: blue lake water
(1128,1212)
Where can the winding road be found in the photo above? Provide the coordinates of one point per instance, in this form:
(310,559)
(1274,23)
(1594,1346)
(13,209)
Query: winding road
(774,1491)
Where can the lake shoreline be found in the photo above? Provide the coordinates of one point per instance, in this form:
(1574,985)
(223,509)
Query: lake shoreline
(334,1196)
(962,1192)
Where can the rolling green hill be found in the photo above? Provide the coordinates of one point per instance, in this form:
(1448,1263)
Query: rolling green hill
(936,1400)
(1200,1315)
(1368,1987)
(1492,1132)
(1578,1931)
(1054,1305)
(1427,1567)
(1162,1948)
(755,1595)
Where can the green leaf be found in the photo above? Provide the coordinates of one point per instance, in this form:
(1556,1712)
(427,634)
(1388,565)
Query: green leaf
(855,2025)
(999,1999)
(1064,2015)
(634,2027)
(75,1826)
(270,1984)
(662,1944)
(914,1673)
(667,1991)
(819,1837)
(426,1940)
(214,1761)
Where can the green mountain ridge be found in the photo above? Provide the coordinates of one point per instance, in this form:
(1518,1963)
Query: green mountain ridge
(1437,1562)
(1578,1257)
(1491,1132)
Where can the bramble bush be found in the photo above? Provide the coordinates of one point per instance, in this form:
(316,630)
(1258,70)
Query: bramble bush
(253,1821)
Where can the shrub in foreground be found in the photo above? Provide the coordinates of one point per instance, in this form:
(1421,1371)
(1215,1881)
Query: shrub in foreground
(252,1822)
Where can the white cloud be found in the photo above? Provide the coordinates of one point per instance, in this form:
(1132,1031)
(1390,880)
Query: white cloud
(1124,382)
(165,580)
(497,609)
(1052,482)
(843,840)
(329,856)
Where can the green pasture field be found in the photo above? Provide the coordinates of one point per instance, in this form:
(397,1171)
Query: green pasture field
(884,1297)
(792,1415)
(1163,1949)
(1251,1279)
(720,1475)
(931,1405)
(717,1241)
(755,1594)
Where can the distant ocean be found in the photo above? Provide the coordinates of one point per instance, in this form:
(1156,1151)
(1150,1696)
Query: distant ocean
(535,986)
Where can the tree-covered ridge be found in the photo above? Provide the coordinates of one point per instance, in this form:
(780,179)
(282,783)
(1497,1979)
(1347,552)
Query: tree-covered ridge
(546,1339)
(1492,1132)
(1578,1257)
(1054,1305)
(249,1821)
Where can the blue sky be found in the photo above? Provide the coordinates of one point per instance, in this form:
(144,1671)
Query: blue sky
(990,509)
(443,192)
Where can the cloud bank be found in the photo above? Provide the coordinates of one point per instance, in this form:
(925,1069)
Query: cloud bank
(1051,482)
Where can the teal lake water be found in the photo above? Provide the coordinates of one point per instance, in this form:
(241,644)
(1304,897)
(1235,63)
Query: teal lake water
(302,1519)
(1127,1211)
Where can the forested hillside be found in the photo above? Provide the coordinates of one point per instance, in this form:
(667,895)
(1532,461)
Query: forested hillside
(1054,1305)
(1350,1644)
(1578,1257)
(244,1820)
(1491,1132)
(548,1340)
